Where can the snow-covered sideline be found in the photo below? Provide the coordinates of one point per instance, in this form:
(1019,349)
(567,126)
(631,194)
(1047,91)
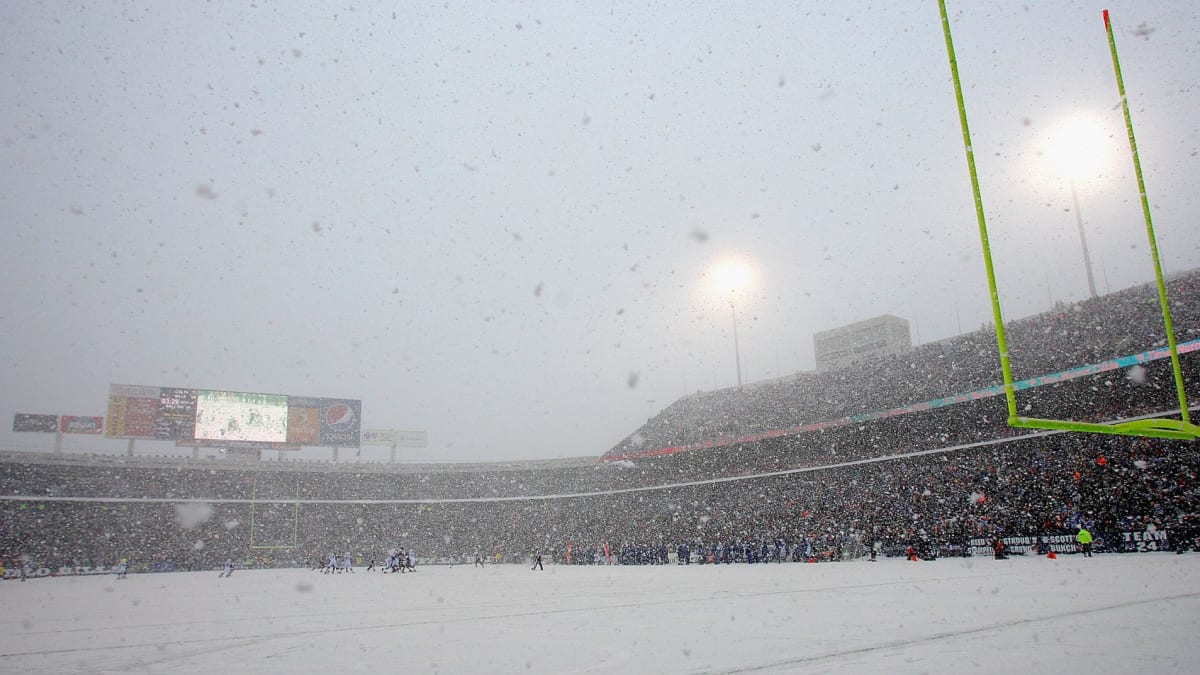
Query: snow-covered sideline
(1107,614)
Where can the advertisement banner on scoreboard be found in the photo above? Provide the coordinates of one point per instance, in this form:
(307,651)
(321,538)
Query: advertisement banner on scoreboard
(116,416)
(44,424)
(412,439)
(341,422)
(303,421)
(141,415)
(81,424)
(132,411)
(378,437)
(395,437)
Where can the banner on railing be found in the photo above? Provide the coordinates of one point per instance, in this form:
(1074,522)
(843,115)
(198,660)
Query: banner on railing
(1129,542)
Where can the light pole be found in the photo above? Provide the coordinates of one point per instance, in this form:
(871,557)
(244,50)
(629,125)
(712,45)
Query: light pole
(1087,259)
(737,352)
(730,277)
(1077,150)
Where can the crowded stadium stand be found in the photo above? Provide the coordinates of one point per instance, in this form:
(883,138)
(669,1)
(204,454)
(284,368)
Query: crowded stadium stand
(910,453)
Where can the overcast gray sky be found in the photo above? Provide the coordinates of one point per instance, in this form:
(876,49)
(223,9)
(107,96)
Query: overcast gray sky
(495,221)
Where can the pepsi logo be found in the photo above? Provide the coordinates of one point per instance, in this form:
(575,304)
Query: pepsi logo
(339,417)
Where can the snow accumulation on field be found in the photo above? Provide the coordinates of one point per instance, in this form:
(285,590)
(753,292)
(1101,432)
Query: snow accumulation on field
(1107,614)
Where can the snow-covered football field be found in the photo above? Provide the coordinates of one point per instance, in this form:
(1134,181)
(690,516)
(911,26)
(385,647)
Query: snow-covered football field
(1108,614)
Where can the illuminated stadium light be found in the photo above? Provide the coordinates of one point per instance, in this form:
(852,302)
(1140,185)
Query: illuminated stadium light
(729,277)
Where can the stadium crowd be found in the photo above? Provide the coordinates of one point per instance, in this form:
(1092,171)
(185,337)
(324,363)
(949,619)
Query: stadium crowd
(931,479)
(1086,332)
(1042,485)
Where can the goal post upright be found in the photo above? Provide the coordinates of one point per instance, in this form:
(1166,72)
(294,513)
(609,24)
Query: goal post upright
(253,504)
(296,516)
(1181,429)
(295,524)
(993,291)
(1158,275)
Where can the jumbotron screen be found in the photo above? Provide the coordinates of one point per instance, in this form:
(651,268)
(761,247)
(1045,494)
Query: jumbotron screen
(237,416)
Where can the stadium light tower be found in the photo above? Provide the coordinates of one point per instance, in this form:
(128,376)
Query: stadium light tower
(1087,258)
(729,278)
(1077,150)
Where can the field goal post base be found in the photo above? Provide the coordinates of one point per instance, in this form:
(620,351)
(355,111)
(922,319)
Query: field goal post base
(1151,428)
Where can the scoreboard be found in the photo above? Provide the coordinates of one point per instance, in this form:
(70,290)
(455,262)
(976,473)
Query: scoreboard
(210,417)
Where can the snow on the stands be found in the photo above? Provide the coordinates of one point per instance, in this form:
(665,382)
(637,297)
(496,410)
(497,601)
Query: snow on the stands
(1107,614)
